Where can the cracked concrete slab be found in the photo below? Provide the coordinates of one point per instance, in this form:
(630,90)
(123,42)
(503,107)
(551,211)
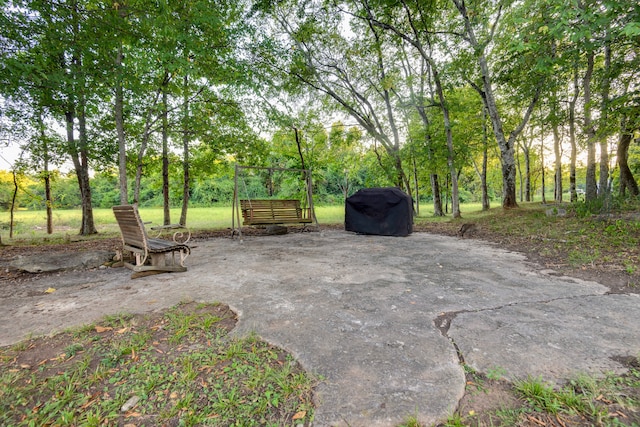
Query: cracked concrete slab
(554,339)
(363,313)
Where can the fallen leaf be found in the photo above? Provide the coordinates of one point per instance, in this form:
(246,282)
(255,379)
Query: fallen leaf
(300,415)
(101,329)
(50,291)
(123,330)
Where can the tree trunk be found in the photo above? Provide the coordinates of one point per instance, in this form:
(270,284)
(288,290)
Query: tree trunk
(520,176)
(415,182)
(627,181)
(13,203)
(165,159)
(47,197)
(572,137)
(437,199)
(557,188)
(455,198)
(527,173)
(122,148)
(486,204)
(47,176)
(185,156)
(299,146)
(591,192)
(78,157)
(88,227)
(542,174)
(603,187)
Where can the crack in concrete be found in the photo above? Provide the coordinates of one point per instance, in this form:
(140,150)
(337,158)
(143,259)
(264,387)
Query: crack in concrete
(443,321)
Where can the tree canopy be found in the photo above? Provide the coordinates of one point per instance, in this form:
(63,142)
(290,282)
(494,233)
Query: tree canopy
(449,100)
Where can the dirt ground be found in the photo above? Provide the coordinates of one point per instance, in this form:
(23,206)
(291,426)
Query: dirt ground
(495,394)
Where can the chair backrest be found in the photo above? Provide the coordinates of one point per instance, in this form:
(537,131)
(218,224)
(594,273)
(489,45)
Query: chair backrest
(131,226)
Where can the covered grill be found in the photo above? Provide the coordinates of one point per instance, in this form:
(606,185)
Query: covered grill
(382,211)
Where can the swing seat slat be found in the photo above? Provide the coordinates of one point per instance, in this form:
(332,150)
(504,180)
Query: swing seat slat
(269,212)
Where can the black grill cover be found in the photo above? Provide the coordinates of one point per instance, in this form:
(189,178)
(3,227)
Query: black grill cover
(381,211)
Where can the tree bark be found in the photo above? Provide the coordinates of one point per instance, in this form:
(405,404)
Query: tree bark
(542,173)
(527,173)
(418,102)
(165,159)
(455,198)
(437,198)
(557,187)
(47,176)
(122,147)
(185,147)
(591,192)
(572,137)
(13,203)
(81,161)
(486,203)
(603,187)
(627,181)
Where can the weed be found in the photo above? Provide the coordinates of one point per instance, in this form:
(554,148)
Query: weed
(73,349)
(496,373)
(630,267)
(116,320)
(540,395)
(454,420)
(411,421)
(583,256)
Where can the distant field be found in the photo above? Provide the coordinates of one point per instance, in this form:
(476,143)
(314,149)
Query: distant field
(32,224)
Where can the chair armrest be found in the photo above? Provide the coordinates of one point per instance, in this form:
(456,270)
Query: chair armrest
(180,233)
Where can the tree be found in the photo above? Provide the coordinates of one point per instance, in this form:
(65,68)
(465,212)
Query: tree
(412,36)
(356,73)
(479,33)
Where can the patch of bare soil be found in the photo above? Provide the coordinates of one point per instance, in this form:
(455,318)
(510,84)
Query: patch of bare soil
(535,249)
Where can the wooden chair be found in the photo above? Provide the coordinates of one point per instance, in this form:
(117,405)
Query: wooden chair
(150,254)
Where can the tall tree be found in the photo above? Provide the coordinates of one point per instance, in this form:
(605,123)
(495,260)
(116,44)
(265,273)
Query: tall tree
(418,36)
(357,73)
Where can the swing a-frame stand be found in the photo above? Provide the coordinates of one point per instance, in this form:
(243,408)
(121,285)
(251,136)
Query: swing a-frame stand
(266,212)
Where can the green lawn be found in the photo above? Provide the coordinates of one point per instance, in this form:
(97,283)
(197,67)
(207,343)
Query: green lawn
(32,224)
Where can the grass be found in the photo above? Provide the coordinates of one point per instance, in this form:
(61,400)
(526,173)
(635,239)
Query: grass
(609,400)
(179,367)
(30,226)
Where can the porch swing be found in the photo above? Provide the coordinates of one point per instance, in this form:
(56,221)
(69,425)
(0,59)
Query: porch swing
(269,212)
